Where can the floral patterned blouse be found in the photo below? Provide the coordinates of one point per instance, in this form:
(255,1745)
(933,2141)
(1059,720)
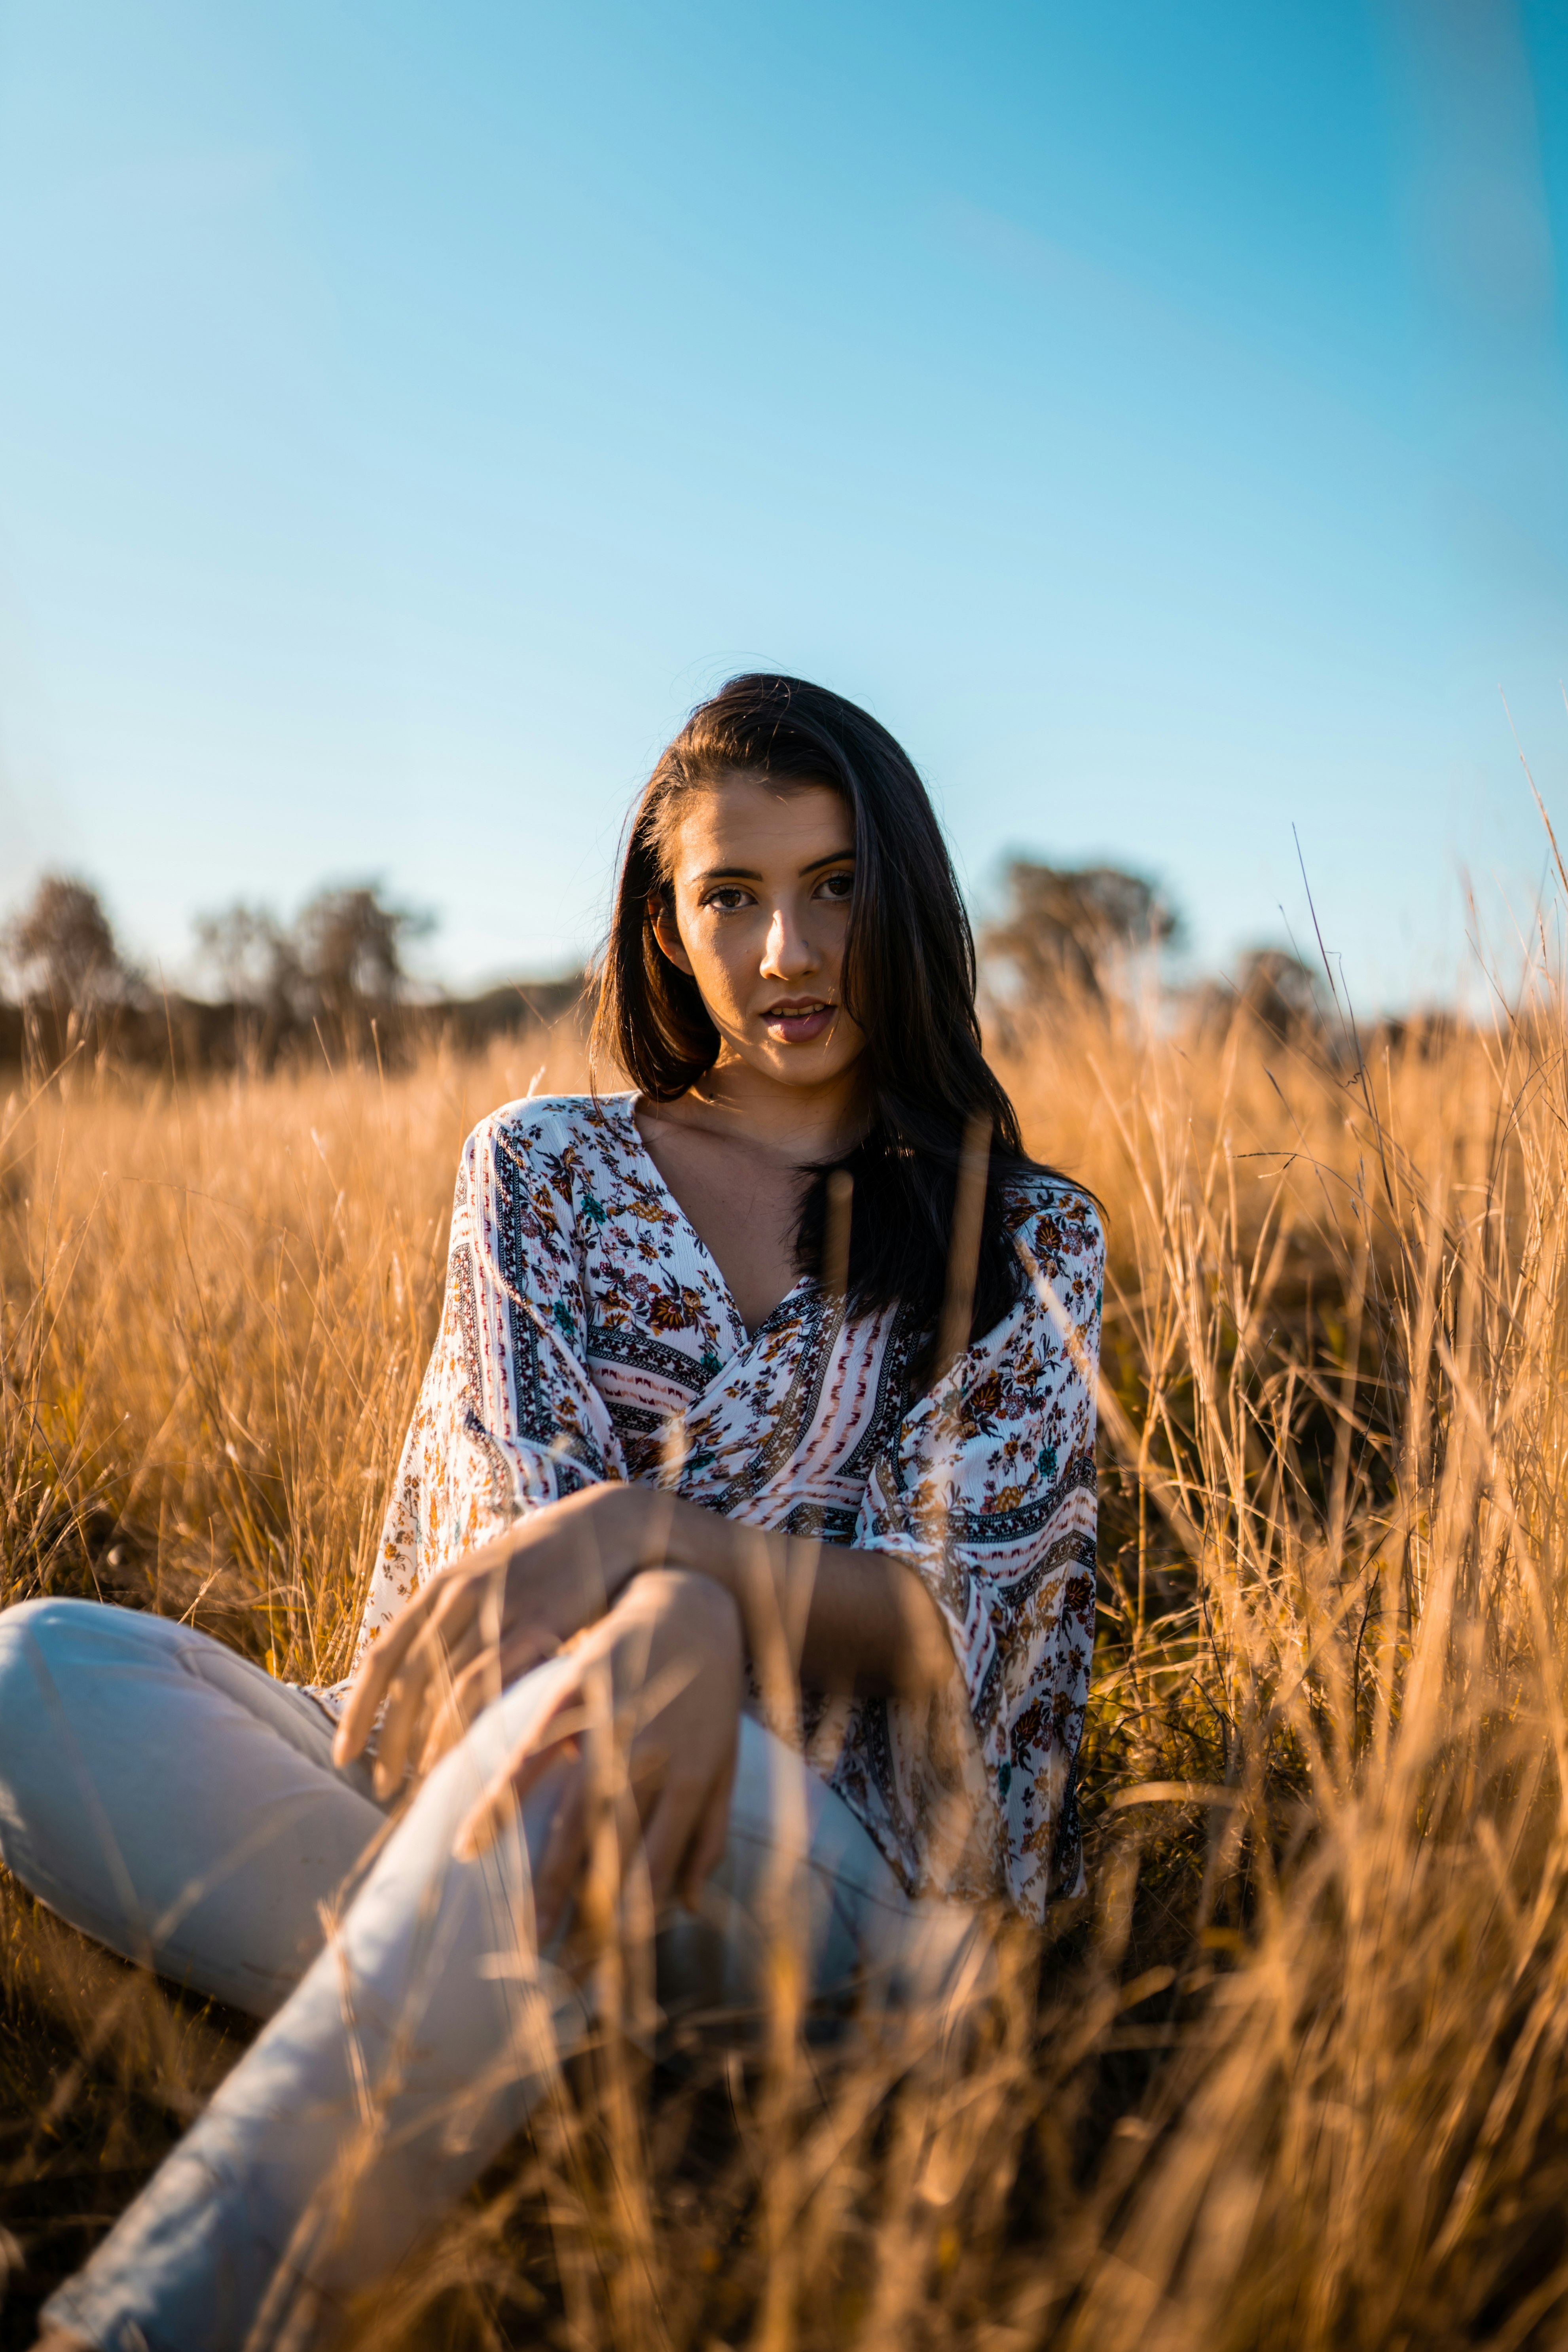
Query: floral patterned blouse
(587,1333)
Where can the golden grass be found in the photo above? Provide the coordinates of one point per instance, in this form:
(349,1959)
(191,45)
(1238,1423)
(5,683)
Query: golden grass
(1293,2074)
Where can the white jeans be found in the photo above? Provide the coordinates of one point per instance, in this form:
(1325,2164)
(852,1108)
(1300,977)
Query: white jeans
(166,1796)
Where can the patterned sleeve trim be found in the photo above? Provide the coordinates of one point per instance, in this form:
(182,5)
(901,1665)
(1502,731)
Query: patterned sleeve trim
(507,1415)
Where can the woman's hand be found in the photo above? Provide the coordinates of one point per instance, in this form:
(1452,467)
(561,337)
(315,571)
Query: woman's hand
(482,1622)
(651,1718)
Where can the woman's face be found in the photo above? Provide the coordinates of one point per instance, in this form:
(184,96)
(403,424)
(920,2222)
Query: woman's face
(761,877)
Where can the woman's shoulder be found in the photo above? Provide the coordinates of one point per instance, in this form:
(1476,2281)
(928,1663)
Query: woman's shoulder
(543,1127)
(1054,1223)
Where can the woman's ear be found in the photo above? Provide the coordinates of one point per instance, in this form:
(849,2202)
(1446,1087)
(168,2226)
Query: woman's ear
(662,915)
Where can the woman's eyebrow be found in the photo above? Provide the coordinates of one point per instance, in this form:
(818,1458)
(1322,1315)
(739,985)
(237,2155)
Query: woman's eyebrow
(751,873)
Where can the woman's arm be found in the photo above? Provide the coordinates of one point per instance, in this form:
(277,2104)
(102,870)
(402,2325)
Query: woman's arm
(839,1620)
(857,1622)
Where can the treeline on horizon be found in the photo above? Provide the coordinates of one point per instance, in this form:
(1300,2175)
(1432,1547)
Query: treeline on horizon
(335,981)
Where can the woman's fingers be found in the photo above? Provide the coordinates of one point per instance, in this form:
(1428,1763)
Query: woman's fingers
(501,1801)
(381,1664)
(399,1666)
(422,1680)
(457,1646)
(683,1836)
(482,1679)
(682,1842)
(667,1832)
(404,1705)
(557,1735)
(706,1851)
(524,1592)
(467,1690)
(561,1866)
(411,1651)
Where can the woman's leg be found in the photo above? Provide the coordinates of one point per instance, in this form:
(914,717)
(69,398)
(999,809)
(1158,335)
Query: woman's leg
(416,2045)
(422,2039)
(802,1877)
(163,1794)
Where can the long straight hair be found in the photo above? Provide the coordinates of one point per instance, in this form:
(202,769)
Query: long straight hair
(907,983)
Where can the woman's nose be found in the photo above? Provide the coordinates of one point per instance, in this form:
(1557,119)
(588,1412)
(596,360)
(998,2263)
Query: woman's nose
(788,953)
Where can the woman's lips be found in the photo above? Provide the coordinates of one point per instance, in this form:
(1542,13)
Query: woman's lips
(797,1027)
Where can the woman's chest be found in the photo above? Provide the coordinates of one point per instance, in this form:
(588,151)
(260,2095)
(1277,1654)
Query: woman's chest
(779,1426)
(743,1207)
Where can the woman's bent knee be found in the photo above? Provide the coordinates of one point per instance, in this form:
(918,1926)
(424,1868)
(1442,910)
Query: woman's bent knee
(46,1621)
(48,1651)
(169,1797)
(43,1643)
(48,1646)
(62,1630)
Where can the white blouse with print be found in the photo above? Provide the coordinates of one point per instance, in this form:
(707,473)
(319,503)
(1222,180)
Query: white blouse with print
(587,1334)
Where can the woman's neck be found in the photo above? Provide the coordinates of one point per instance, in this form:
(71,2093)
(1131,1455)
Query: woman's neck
(802,1125)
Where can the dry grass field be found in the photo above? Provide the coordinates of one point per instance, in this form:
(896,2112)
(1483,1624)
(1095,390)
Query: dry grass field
(1294,2072)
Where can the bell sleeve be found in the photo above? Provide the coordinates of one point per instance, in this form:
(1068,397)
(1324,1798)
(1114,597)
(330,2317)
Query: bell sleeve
(989,1495)
(508,1416)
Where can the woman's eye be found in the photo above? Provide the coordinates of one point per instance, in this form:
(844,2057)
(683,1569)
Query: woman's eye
(728,900)
(839,887)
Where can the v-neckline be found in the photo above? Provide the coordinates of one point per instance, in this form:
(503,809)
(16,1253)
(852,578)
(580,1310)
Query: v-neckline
(722,1283)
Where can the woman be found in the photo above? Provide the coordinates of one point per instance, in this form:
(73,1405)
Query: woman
(746,1522)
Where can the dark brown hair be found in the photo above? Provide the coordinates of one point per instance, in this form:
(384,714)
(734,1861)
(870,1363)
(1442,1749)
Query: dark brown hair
(908,981)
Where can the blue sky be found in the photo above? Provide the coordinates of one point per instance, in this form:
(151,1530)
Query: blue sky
(1158,416)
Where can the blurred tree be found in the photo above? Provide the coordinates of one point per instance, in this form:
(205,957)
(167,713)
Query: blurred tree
(63,951)
(252,958)
(1279,989)
(1072,926)
(1273,987)
(342,958)
(349,944)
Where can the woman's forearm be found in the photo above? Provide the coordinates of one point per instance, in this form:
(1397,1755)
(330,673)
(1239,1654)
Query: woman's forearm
(836,1619)
(871,1627)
